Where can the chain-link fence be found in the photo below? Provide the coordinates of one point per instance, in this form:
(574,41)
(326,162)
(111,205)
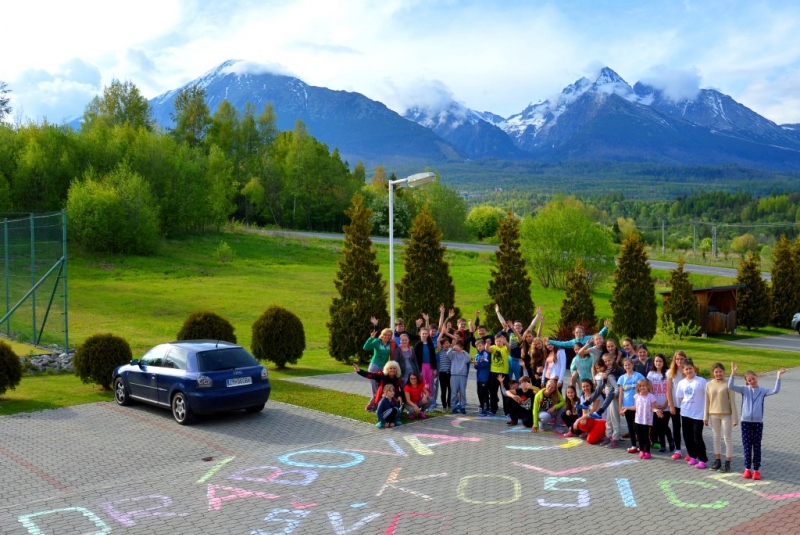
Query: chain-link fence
(33,266)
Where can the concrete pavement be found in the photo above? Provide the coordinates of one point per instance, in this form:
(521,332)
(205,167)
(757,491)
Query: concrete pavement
(101,469)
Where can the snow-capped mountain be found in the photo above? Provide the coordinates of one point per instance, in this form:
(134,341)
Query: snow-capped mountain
(607,119)
(359,127)
(475,134)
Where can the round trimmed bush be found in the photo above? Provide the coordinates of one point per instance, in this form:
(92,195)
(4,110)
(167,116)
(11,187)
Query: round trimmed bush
(10,368)
(97,357)
(207,325)
(278,336)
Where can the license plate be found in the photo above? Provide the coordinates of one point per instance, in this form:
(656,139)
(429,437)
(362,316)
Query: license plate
(239,381)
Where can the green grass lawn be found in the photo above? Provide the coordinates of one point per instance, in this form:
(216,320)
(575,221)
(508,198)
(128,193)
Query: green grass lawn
(146,299)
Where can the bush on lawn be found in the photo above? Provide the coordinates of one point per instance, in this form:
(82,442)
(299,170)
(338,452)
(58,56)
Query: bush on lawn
(278,336)
(10,368)
(207,325)
(97,357)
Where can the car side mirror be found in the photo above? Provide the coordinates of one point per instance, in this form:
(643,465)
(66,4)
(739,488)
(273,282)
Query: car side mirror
(135,362)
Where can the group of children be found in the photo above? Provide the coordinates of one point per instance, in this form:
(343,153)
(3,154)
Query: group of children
(529,373)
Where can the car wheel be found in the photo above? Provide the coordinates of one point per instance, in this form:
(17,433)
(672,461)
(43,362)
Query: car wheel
(255,408)
(181,410)
(120,392)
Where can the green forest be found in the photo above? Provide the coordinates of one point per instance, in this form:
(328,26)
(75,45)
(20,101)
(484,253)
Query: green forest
(127,184)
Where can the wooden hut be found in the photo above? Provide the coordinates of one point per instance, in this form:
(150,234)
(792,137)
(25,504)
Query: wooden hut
(717,307)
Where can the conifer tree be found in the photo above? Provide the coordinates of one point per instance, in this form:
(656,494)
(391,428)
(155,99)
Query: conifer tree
(510,283)
(785,283)
(362,292)
(681,306)
(427,283)
(754,306)
(578,305)
(633,295)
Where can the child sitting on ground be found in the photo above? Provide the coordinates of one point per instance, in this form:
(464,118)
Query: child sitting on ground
(388,410)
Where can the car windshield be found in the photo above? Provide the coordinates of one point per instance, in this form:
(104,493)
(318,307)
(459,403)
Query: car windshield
(224,359)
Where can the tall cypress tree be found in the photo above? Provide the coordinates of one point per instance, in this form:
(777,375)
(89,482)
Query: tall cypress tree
(682,304)
(427,283)
(754,306)
(785,283)
(362,292)
(509,284)
(633,295)
(577,308)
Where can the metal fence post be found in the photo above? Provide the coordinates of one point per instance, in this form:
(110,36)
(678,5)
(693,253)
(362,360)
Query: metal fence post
(64,259)
(8,273)
(33,280)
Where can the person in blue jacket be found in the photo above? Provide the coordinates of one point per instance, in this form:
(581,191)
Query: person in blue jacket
(580,336)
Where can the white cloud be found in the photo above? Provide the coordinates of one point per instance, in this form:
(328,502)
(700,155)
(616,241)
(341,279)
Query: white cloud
(676,84)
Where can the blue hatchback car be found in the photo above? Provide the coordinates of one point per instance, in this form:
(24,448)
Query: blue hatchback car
(194,377)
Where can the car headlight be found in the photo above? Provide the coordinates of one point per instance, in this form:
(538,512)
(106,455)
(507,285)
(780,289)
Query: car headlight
(204,381)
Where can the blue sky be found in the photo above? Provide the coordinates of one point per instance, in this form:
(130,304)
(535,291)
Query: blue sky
(493,56)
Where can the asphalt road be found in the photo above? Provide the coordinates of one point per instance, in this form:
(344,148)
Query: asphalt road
(478,247)
(785,342)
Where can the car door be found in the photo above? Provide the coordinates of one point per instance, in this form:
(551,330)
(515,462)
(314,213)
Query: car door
(172,372)
(143,380)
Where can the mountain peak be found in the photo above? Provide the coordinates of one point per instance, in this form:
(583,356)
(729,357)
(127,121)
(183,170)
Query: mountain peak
(608,76)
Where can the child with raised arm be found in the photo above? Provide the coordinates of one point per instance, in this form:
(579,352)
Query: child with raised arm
(443,377)
(459,370)
(753,417)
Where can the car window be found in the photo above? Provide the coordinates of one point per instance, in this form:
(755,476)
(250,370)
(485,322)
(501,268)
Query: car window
(155,357)
(176,359)
(224,359)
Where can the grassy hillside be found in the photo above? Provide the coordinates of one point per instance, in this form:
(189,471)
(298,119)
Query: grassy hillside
(146,299)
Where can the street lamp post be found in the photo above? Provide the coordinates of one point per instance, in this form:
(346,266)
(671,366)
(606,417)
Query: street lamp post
(411,182)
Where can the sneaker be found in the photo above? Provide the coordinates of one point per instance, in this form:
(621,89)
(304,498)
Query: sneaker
(717,464)
(748,474)
(641,455)
(379,425)
(568,434)
(431,409)
(410,415)
(701,465)
(398,423)
(726,467)
(596,416)
(605,442)
(584,435)
(756,475)
(463,410)
(646,456)
(613,444)
(633,449)
(422,415)
(370,407)
(677,455)
(560,430)
(692,462)
(671,446)
(455,411)
(656,445)
(687,458)
(662,450)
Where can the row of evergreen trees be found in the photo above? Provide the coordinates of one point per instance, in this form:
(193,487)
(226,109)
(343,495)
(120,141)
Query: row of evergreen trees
(427,284)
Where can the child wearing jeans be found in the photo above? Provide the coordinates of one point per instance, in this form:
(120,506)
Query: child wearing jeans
(753,417)
(388,410)
(691,392)
(645,404)
(482,368)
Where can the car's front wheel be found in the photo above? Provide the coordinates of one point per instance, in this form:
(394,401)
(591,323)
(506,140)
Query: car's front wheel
(181,410)
(120,392)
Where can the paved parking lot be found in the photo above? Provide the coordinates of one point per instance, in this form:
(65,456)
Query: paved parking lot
(97,469)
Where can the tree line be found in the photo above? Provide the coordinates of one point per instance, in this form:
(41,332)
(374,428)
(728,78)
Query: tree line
(126,183)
